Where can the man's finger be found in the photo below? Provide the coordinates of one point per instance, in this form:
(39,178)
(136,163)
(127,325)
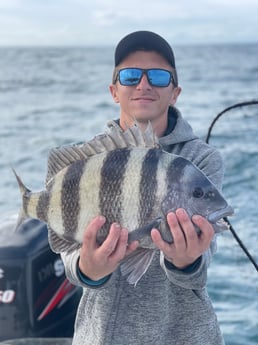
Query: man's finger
(159,242)
(177,229)
(92,229)
(207,231)
(110,243)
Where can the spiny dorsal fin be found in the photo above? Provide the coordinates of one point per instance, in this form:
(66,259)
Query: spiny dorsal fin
(60,158)
(115,138)
(134,137)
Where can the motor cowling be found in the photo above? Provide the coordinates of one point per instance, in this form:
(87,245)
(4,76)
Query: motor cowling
(36,299)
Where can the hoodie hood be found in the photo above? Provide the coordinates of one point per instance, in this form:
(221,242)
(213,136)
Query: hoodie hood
(178,130)
(181,130)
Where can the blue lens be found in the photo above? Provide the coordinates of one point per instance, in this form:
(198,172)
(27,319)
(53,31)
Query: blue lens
(159,77)
(156,76)
(130,76)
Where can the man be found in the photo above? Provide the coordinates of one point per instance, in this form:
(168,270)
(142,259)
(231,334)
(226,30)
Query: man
(169,305)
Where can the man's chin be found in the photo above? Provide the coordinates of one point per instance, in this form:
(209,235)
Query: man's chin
(144,118)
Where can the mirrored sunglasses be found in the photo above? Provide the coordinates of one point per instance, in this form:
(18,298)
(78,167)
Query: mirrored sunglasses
(156,76)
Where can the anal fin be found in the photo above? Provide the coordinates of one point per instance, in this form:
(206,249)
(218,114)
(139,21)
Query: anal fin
(136,264)
(58,244)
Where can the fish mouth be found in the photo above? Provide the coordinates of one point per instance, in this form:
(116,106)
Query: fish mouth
(217,217)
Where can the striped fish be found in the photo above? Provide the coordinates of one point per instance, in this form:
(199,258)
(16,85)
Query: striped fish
(128,178)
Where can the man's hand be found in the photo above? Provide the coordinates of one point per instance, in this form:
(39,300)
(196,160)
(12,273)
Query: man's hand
(188,246)
(97,261)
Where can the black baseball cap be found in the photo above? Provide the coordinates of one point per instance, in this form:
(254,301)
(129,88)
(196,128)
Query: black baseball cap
(146,41)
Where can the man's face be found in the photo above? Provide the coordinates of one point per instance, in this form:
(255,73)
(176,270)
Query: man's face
(144,102)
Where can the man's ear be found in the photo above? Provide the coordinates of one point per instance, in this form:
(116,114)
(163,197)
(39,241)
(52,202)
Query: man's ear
(175,93)
(114,93)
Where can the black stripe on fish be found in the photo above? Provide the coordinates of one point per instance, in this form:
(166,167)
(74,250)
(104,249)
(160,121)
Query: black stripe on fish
(43,203)
(112,176)
(70,197)
(148,184)
(174,178)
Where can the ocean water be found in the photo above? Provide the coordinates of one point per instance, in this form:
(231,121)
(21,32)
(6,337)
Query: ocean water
(55,96)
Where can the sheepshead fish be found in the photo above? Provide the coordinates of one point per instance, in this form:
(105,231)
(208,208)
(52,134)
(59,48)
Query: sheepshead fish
(128,178)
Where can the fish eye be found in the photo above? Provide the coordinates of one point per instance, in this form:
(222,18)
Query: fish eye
(198,192)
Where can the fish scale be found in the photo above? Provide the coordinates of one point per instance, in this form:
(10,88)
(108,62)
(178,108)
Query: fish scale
(70,197)
(111,186)
(131,189)
(148,184)
(89,202)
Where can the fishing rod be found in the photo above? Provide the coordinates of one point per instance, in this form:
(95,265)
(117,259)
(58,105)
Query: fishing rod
(239,241)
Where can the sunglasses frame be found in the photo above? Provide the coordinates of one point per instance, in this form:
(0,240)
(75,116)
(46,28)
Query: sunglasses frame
(145,71)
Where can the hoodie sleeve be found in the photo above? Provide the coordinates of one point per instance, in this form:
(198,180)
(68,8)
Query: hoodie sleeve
(194,279)
(73,274)
(70,263)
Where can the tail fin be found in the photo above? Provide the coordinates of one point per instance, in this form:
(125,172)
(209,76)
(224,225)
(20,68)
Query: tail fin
(24,191)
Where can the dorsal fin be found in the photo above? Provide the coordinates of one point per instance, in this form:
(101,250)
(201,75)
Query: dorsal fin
(59,158)
(114,138)
(134,137)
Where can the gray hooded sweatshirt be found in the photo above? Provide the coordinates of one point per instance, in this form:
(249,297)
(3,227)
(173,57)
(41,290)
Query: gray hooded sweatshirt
(168,306)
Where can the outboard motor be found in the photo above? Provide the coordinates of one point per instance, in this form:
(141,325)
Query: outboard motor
(36,299)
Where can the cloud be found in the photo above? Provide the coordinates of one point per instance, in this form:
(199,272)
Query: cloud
(73,22)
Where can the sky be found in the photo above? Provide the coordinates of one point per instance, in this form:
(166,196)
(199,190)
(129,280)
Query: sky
(105,22)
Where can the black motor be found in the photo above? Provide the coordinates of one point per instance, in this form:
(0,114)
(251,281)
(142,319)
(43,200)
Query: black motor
(36,299)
